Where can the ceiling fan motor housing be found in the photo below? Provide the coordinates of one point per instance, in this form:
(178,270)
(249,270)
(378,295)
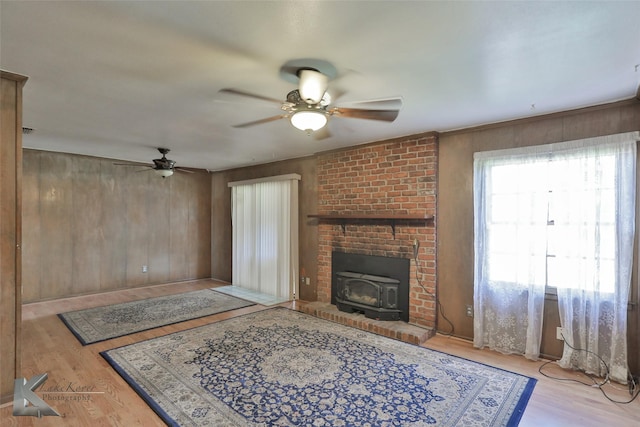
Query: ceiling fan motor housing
(163,163)
(313,85)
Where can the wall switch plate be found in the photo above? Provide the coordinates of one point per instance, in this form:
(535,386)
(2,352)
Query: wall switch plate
(145,269)
(307,281)
(559,332)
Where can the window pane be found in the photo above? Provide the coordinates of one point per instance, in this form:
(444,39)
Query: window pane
(502,207)
(502,268)
(607,241)
(502,178)
(513,269)
(500,239)
(608,206)
(607,278)
(537,212)
(563,272)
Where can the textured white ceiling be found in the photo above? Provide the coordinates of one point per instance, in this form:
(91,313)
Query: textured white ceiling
(118,79)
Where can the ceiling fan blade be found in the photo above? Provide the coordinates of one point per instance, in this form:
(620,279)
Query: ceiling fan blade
(335,93)
(394,103)
(134,164)
(249,95)
(322,133)
(261,121)
(358,113)
(183,170)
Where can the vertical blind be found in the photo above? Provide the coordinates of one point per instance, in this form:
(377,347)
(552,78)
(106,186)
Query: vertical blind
(264,216)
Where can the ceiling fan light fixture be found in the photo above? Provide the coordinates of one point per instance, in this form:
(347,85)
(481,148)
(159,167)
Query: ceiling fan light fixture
(313,85)
(308,120)
(164,172)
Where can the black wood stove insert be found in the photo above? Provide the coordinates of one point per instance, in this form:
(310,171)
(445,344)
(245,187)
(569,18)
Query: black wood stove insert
(374,285)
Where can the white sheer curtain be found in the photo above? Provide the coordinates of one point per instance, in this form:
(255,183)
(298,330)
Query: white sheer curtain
(598,219)
(556,217)
(510,251)
(265,235)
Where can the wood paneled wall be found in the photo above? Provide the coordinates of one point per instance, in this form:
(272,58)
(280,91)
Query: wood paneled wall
(90,226)
(455,205)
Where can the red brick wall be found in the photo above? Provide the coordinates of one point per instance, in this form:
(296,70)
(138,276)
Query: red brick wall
(392,177)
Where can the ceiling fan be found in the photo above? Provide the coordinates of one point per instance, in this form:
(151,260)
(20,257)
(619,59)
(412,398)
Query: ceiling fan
(309,107)
(163,166)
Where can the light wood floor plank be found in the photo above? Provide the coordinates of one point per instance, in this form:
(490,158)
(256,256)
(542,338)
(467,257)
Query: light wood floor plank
(48,346)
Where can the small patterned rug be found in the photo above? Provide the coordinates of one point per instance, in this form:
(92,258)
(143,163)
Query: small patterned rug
(102,323)
(285,368)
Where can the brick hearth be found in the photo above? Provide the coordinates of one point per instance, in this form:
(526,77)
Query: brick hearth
(392,329)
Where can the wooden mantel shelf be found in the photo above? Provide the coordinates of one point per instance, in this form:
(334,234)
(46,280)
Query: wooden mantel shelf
(343,219)
(357,216)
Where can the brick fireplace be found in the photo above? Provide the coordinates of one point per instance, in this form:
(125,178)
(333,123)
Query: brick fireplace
(390,178)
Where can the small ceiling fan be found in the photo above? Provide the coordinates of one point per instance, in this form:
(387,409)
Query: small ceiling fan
(309,107)
(163,166)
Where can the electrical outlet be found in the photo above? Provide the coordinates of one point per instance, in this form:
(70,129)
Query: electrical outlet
(469,310)
(145,269)
(559,333)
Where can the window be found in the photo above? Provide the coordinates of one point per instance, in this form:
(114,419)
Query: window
(562,217)
(530,215)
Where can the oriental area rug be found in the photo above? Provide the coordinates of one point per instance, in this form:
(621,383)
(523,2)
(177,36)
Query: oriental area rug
(102,323)
(279,367)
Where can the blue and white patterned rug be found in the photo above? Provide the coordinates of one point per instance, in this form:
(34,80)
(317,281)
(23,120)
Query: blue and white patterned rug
(285,368)
(102,323)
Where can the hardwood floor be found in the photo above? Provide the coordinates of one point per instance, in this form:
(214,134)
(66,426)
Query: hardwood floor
(49,347)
